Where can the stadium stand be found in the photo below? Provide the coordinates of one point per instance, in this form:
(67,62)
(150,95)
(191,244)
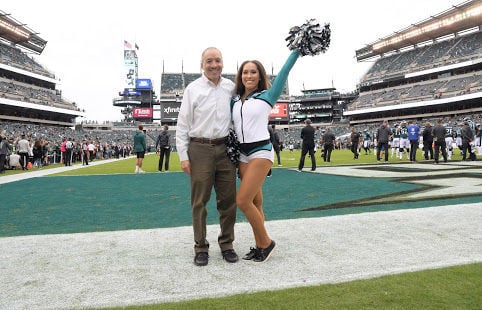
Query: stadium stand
(456,50)
(437,72)
(173,84)
(14,57)
(28,91)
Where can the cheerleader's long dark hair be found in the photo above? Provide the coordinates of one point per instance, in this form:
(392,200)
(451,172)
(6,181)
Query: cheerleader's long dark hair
(263,83)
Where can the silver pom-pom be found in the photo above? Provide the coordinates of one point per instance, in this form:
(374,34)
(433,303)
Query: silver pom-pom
(232,145)
(309,38)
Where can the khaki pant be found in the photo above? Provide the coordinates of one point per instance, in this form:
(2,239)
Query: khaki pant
(210,166)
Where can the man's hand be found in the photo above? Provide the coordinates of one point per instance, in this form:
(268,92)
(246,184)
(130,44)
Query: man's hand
(186,166)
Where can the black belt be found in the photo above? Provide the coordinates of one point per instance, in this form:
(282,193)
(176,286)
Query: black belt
(217,141)
(248,147)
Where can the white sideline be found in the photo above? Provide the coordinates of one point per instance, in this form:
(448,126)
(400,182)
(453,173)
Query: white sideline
(35,172)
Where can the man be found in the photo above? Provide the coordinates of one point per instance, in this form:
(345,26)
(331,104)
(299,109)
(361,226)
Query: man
(140,147)
(367,141)
(275,141)
(202,128)
(85,153)
(13,161)
(274,138)
(478,139)
(438,134)
(427,141)
(449,141)
(467,136)
(383,135)
(328,140)
(308,145)
(413,137)
(163,144)
(23,147)
(69,146)
(91,148)
(404,141)
(354,141)
(4,151)
(395,140)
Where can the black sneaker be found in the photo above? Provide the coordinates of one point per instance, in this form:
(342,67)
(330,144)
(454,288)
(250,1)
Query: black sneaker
(250,255)
(201,259)
(263,255)
(230,256)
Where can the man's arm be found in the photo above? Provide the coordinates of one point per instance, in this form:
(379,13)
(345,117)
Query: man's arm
(183,125)
(182,131)
(158,141)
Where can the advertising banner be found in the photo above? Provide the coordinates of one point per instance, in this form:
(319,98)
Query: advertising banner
(130,67)
(142,113)
(279,112)
(170,110)
(143,84)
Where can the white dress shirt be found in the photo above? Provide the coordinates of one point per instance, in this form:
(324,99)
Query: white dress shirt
(205,112)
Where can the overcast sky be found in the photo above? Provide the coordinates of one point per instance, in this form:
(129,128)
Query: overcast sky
(85,39)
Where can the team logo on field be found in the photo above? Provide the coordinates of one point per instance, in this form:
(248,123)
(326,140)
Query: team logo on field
(435,182)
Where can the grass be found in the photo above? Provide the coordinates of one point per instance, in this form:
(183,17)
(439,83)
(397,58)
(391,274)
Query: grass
(458,287)
(288,160)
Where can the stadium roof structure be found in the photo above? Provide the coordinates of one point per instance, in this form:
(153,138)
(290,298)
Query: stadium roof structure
(460,17)
(19,34)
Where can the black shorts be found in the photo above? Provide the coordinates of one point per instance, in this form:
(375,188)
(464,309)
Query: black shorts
(140,154)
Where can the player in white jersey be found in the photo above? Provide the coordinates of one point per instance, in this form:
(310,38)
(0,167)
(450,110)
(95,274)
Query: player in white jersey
(396,140)
(367,141)
(478,139)
(404,142)
(449,141)
(458,139)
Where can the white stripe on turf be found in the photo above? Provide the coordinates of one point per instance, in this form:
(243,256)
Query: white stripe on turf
(153,266)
